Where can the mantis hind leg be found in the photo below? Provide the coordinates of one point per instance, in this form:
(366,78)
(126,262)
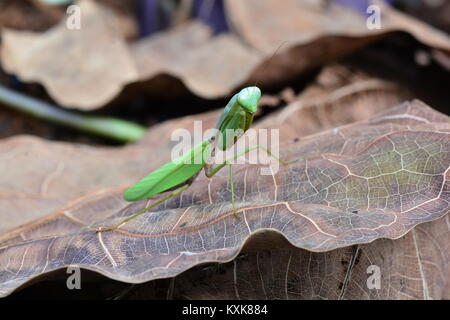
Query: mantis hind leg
(230,179)
(146,209)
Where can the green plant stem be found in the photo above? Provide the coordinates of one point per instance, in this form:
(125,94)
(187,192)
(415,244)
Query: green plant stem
(107,127)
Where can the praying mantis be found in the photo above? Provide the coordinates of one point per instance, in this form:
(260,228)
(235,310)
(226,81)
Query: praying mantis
(177,175)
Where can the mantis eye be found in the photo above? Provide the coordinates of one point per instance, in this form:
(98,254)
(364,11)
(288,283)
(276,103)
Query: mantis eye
(248,98)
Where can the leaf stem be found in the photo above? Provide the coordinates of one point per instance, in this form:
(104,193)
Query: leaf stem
(107,127)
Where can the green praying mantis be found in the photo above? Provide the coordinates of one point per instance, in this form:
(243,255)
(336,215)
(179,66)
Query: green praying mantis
(179,174)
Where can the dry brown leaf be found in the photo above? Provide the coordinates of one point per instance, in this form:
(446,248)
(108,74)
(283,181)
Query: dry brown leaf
(25,16)
(317,32)
(412,267)
(301,22)
(265,24)
(166,50)
(339,95)
(395,20)
(352,185)
(19,208)
(79,68)
(209,67)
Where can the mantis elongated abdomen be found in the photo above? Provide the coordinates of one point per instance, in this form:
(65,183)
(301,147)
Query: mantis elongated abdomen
(171,175)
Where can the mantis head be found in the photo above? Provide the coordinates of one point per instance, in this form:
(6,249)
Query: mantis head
(248,99)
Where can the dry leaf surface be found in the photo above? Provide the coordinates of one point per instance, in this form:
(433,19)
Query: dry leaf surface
(350,186)
(302,22)
(415,266)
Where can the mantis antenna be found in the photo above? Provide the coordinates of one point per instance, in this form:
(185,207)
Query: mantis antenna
(270,59)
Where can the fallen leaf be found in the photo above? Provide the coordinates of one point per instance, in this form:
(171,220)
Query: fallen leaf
(26,207)
(210,67)
(338,96)
(302,22)
(350,186)
(396,20)
(412,267)
(27,16)
(80,68)
(313,33)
